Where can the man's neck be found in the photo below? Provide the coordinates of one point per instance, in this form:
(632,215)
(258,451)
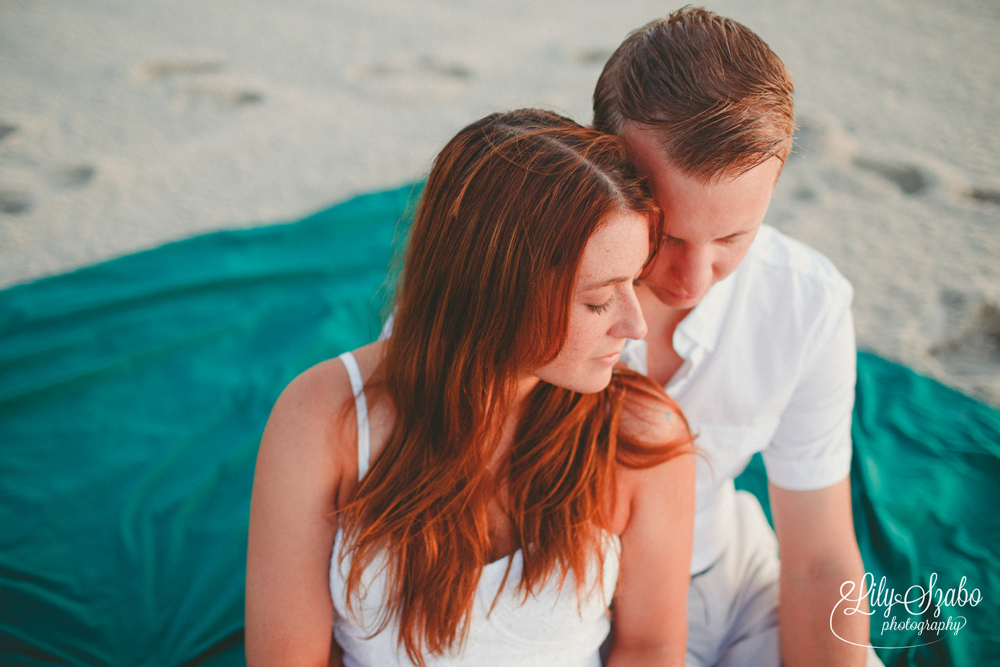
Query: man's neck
(662,361)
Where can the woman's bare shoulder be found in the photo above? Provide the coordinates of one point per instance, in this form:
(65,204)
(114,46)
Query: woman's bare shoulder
(313,420)
(650,416)
(312,399)
(319,392)
(369,357)
(654,448)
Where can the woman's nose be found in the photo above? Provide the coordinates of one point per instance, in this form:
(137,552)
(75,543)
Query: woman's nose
(632,323)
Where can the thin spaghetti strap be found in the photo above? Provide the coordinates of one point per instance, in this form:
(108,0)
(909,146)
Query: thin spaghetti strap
(361,408)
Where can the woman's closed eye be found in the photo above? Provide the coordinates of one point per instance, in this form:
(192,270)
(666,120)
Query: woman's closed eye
(599,308)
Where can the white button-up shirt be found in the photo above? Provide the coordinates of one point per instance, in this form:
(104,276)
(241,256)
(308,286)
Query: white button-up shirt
(769,366)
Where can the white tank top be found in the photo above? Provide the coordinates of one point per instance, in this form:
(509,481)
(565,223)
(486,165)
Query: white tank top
(552,628)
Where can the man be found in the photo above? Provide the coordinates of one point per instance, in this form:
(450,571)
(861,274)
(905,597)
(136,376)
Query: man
(751,333)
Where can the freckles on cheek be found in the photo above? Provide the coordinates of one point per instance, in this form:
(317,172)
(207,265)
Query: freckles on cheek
(575,340)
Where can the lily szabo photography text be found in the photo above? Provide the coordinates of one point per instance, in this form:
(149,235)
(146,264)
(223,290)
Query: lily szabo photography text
(919,609)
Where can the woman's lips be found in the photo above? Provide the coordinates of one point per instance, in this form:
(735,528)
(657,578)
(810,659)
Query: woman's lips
(609,359)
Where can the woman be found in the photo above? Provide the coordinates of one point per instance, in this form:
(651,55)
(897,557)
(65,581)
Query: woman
(478,488)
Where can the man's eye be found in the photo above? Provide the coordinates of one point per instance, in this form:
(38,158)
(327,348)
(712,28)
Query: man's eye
(600,308)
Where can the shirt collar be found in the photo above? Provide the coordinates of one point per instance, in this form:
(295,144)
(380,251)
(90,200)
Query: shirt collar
(703,325)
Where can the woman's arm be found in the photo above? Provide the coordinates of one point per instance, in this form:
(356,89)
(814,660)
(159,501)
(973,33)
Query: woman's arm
(650,604)
(289,614)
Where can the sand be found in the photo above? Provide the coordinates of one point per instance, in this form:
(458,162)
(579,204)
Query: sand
(127,125)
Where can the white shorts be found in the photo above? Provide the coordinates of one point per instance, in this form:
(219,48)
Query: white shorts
(733,605)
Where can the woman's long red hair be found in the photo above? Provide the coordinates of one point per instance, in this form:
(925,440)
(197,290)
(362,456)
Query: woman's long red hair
(484,298)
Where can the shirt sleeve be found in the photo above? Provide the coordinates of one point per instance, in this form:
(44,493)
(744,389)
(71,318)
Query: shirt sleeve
(811,448)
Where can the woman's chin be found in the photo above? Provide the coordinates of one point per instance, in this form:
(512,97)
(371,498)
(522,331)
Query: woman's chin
(593,384)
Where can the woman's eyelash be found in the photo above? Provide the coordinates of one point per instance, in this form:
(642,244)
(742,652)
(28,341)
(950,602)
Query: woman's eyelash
(600,308)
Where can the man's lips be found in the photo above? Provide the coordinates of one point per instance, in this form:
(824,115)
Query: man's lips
(677,296)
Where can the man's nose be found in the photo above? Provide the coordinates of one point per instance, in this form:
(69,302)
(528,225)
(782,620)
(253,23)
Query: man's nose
(691,270)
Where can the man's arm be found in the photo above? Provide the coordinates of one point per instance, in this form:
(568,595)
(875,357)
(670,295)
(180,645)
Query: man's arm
(819,552)
(808,465)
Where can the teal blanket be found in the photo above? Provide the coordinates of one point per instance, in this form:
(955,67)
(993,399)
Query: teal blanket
(133,395)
